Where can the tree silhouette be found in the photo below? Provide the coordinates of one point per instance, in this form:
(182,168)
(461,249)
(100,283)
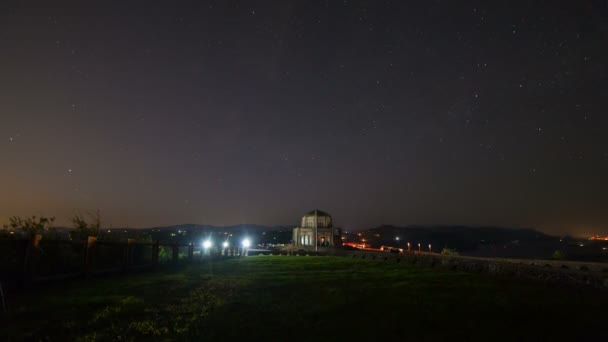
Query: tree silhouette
(85,226)
(31,225)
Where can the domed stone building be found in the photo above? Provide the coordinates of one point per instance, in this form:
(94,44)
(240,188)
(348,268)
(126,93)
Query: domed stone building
(316,225)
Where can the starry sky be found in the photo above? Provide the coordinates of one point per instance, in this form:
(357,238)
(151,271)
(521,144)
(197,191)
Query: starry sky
(379,112)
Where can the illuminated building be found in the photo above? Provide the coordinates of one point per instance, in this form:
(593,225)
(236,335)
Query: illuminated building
(316,224)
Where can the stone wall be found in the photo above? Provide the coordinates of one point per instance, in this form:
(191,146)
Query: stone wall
(548,271)
(566,273)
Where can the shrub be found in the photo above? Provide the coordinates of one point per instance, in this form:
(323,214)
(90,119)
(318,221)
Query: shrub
(31,225)
(165,253)
(448,251)
(558,255)
(83,229)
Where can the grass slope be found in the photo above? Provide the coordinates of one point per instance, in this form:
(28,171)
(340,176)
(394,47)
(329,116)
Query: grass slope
(305,298)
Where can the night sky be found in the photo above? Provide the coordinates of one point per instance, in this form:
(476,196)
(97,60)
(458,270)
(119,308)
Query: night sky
(379,112)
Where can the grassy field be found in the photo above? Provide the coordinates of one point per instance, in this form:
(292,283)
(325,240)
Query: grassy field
(305,298)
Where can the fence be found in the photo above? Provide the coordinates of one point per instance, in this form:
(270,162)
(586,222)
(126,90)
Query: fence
(23,261)
(29,260)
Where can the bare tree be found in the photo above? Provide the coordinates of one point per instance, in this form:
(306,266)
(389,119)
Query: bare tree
(85,225)
(31,225)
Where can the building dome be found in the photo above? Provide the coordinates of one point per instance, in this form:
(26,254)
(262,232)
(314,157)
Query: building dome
(317,212)
(316,219)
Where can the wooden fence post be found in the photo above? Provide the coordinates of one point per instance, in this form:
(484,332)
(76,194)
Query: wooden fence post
(128,253)
(30,258)
(190,252)
(89,250)
(175,253)
(155,252)
(31,252)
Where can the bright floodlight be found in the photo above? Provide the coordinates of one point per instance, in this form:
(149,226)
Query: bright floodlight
(225,244)
(246,243)
(207,244)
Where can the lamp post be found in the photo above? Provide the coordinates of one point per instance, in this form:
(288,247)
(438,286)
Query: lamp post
(207,244)
(245,244)
(429,247)
(225,246)
(409,247)
(419,250)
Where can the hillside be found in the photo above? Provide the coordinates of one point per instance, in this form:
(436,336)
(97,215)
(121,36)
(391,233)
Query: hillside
(489,241)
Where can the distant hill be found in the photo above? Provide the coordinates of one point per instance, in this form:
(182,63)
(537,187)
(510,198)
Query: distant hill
(198,232)
(466,240)
(210,228)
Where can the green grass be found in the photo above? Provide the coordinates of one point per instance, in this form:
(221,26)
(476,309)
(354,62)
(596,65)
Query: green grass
(305,298)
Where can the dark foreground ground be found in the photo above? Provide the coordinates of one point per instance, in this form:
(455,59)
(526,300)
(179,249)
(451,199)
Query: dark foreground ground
(280,298)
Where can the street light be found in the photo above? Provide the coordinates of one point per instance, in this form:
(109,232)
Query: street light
(246,243)
(419,247)
(397,238)
(225,244)
(207,244)
(409,247)
(429,247)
